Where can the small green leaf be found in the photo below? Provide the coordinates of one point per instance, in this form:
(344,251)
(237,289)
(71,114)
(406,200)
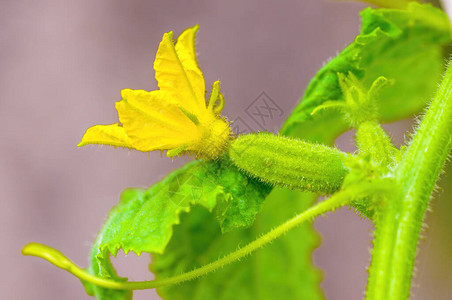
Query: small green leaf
(143,220)
(401,45)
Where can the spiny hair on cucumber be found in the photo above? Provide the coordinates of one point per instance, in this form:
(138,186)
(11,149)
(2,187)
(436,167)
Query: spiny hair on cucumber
(289,162)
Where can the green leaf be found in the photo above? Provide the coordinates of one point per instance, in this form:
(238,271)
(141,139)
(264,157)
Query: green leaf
(282,270)
(401,45)
(143,220)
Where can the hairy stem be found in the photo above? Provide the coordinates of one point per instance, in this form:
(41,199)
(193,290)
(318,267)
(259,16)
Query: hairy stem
(399,220)
(372,139)
(339,199)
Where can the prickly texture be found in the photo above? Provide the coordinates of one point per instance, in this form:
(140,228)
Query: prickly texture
(372,139)
(399,220)
(289,162)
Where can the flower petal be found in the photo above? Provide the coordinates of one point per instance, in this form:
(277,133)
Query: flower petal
(185,48)
(177,71)
(152,122)
(113,135)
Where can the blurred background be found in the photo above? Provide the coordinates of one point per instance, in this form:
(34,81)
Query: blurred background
(62,66)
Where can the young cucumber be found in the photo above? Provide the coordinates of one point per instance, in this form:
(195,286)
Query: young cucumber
(289,162)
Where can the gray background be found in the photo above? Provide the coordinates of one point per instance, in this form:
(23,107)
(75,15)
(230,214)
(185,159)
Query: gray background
(62,66)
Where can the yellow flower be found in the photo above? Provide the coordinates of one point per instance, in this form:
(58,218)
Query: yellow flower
(176,117)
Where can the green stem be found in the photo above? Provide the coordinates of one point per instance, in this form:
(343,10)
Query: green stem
(339,199)
(372,139)
(399,220)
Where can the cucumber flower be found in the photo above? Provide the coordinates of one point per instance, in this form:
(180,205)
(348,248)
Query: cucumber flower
(176,117)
